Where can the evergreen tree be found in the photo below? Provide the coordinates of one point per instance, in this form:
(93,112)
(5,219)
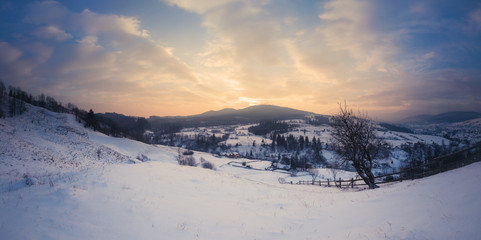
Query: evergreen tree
(2,96)
(301,142)
(314,143)
(273,143)
(91,121)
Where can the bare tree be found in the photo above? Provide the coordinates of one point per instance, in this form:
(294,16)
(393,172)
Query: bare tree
(180,156)
(334,168)
(356,142)
(314,172)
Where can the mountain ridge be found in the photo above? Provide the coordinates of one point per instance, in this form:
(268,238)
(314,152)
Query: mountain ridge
(258,113)
(229,116)
(446,117)
(226,111)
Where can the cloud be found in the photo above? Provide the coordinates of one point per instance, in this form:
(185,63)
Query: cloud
(199,7)
(15,67)
(246,30)
(58,17)
(347,29)
(113,25)
(394,64)
(9,53)
(361,51)
(381,56)
(475,19)
(53,33)
(245,49)
(110,58)
(427,93)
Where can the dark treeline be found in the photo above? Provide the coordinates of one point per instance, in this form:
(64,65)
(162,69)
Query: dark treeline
(291,143)
(306,153)
(168,128)
(421,153)
(13,102)
(14,99)
(124,126)
(197,142)
(318,120)
(395,128)
(266,127)
(426,160)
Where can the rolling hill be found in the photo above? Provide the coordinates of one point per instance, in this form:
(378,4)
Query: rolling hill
(447,117)
(229,116)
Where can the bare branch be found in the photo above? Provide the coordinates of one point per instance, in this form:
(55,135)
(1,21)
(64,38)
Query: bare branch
(356,142)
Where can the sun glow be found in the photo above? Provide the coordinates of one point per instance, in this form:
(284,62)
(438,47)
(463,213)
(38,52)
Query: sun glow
(250,101)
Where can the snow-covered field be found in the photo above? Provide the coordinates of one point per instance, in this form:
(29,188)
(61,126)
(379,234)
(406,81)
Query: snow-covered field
(159,199)
(240,135)
(247,144)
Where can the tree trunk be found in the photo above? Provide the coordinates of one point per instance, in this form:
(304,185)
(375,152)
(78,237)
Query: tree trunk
(372,181)
(368,178)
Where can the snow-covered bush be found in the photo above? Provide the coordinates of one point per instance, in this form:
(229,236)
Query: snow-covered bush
(187,161)
(30,181)
(143,158)
(206,164)
(190,161)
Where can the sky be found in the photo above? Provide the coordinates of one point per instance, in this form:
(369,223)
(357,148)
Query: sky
(390,59)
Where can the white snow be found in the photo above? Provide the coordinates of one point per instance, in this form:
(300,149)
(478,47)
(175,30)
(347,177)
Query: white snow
(159,199)
(43,145)
(162,200)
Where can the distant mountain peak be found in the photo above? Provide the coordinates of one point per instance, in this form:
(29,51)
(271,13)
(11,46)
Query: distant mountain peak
(271,108)
(219,112)
(261,109)
(225,116)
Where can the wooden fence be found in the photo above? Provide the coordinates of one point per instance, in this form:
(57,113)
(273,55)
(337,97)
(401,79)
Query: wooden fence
(437,165)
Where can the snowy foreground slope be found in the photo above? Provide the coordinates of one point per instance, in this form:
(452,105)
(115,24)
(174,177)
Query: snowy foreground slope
(110,199)
(157,200)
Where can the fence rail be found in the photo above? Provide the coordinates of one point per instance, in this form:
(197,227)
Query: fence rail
(437,165)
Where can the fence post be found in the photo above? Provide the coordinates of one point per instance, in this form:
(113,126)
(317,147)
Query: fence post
(352,182)
(328,184)
(340,183)
(320,182)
